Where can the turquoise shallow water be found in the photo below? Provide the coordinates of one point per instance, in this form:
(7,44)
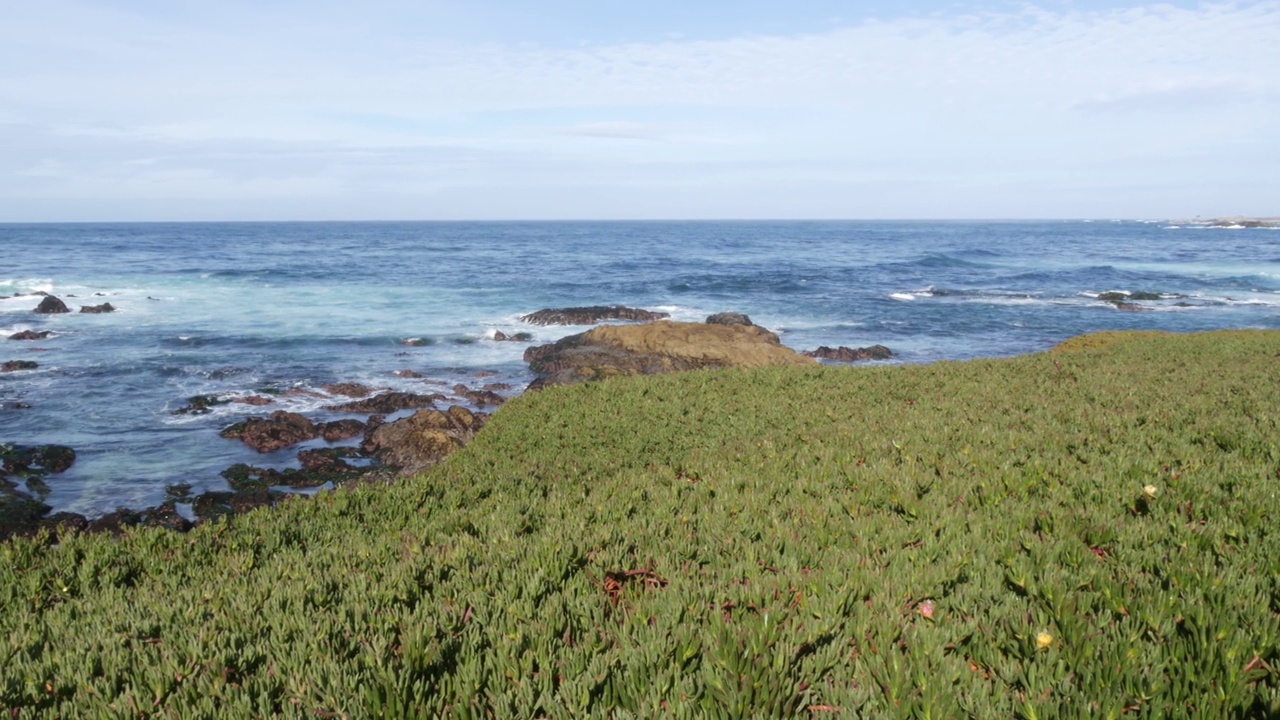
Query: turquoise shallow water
(230,308)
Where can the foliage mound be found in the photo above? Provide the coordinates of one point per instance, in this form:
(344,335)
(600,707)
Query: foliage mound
(1085,532)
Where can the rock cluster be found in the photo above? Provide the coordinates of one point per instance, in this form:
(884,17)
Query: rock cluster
(848,354)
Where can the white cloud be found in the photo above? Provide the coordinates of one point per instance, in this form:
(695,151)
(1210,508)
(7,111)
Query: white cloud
(101,103)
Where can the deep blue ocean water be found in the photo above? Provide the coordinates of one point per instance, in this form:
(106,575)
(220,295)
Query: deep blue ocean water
(232,308)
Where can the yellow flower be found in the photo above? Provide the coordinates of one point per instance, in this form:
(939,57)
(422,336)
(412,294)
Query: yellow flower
(1043,640)
(1149,491)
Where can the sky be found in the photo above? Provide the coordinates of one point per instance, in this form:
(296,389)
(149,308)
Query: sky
(123,110)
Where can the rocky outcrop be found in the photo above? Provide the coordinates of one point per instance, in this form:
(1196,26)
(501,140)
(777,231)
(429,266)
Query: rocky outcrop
(280,430)
(97,309)
(417,442)
(31,335)
(388,403)
(591,315)
(514,337)
(659,347)
(16,365)
(848,354)
(51,305)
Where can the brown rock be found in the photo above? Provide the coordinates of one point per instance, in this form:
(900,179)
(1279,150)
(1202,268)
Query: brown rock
(590,315)
(348,389)
(388,403)
(281,430)
(479,398)
(339,430)
(659,347)
(417,442)
(514,337)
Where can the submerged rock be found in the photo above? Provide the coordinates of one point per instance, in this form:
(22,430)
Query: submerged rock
(31,335)
(514,337)
(591,315)
(659,347)
(847,354)
(51,305)
(97,309)
(16,365)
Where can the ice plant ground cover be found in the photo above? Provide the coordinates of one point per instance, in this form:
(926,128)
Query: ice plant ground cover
(1088,531)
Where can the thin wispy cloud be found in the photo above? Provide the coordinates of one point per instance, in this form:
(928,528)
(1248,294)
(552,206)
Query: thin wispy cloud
(100,102)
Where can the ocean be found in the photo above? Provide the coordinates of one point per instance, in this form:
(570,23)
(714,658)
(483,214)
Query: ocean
(237,309)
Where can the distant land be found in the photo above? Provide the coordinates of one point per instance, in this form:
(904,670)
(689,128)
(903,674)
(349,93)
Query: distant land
(1234,222)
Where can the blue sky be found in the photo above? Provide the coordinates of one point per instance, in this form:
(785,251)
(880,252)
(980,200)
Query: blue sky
(390,109)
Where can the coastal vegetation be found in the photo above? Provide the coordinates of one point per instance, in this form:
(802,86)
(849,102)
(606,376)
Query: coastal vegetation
(1086,531)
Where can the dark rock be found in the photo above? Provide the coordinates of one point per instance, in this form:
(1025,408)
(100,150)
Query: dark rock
(514,337)
(15,405)
(16,365)
(328,460)
(281,430)
(407,374)
(19,515)
(200,404)
(64,524)
(51,305)
(97,309)
(479,398)
(417,442)
(729,318)
(847,354)
(348,389)
(114,523)
(497,386)
(178,491)
(210,505)
(659,347)
(164,516)
(590,315)
(339,430)
(388,403)
(35,460)
(31,335)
